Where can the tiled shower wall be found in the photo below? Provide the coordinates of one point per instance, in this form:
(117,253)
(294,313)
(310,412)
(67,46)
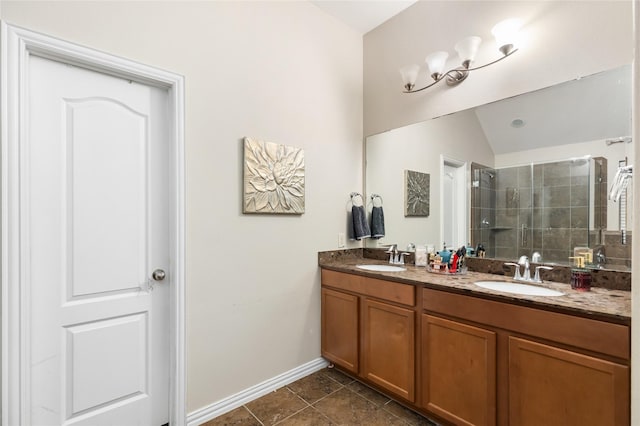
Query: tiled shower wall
(520,210)
(560,208)
(618,255)
(514,222)
(517,211)
(600,195)
(483,207)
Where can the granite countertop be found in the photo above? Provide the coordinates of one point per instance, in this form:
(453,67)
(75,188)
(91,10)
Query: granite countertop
(613,305)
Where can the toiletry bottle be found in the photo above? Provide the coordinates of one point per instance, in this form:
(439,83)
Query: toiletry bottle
(454,263)
(588,259)
(580,276)
(462,257)
(469,250)
(445,255)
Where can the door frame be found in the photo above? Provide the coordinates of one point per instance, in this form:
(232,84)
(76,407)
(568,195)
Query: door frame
(17,45)
(461,216)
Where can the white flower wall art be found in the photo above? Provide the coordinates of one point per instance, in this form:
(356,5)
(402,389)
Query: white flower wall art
(273,178)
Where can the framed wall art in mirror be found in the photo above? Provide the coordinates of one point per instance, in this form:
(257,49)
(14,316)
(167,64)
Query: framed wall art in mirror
(416,193)
(273,178)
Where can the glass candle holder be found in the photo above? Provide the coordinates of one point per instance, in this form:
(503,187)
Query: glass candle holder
(581,279)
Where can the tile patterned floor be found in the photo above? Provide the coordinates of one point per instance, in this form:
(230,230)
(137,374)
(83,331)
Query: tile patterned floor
(326,397)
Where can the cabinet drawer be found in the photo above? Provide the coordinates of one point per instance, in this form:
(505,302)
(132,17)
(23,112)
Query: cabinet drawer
(599,336)
(404,294)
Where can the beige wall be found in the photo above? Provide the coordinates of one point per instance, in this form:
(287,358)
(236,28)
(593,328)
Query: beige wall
(562,40)
(282,71)
(419,147)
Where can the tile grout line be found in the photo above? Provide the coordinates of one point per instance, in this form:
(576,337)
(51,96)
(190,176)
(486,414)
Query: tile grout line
(346,386)
(353,387)
(311,405)
(431,423)
(300,410)
(357,394)
(254,416)
(381,406)
(407,422)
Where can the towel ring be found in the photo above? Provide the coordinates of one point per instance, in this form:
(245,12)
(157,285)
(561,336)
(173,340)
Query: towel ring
(374,198)
(355,195)
(354,203)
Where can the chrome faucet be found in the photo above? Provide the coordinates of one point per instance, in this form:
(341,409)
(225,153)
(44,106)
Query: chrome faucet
(524,260)
(516,275)
(536,277)
(393,254)
(396,257)
(526,275)
(536,257)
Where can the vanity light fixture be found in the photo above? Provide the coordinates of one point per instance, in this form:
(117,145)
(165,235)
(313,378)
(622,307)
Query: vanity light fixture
(505,33)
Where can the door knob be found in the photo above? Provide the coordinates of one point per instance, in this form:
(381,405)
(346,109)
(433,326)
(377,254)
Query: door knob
(158,275)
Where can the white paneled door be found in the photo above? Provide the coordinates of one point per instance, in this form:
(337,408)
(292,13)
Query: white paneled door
(96,221)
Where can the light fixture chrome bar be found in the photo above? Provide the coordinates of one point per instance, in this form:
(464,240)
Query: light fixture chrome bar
(626,139)
(507,40)
(457,75)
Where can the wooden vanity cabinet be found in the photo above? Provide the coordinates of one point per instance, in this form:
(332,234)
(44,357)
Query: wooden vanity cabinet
(458,371)
(388,352)
(514,365)
(368,328)
(340,329)
(549,385)
(469,360)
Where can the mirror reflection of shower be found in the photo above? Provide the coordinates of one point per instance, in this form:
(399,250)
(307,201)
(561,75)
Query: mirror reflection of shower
(550,208)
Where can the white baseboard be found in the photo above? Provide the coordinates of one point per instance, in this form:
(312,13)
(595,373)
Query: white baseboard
(232,402)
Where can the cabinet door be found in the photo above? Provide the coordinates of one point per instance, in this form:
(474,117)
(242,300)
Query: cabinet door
(552,386)
(340,329)
(389,347)
(458,371)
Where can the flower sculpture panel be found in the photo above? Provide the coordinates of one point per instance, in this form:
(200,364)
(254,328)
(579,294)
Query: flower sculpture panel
(416,193)
(273,178)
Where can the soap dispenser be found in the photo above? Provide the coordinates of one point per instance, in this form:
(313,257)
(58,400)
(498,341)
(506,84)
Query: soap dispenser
(580,276)
(421,256)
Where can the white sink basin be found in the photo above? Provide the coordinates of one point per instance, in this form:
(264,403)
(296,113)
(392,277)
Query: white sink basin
(381,268)
(525,289)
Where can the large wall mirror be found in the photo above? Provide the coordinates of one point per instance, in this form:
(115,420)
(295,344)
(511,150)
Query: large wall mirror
(525,174)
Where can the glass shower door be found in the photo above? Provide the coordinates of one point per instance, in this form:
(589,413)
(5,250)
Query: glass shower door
(561,200)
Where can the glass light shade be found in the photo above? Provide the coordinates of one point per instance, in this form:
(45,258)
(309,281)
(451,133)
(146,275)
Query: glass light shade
(409,75)
(436,62)
(467,49)
(506,34)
